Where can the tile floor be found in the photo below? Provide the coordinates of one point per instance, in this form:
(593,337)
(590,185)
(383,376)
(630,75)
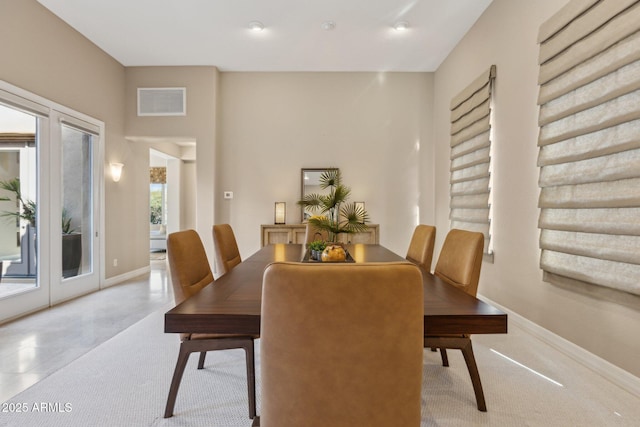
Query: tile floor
(35,346)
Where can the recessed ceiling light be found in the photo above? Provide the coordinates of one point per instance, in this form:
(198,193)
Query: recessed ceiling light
(256,26)
(328,25)
(401,26)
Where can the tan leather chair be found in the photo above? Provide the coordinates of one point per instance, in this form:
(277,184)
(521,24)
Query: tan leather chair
(312,234)
(459,265)
(226,247)
(190,272)
(341,345)
(421,246)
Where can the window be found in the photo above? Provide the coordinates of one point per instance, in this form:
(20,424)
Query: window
(158,197)
(589,145)
(470,204)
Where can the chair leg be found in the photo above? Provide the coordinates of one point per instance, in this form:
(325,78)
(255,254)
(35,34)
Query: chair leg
(462,343)
(251,379)
(183,357)
(467,352)
(203,354)
(202,346)
(445,358)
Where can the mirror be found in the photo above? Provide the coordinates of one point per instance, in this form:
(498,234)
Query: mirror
(310,183)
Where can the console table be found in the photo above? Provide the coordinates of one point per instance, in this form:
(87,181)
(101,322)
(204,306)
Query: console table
(295,233)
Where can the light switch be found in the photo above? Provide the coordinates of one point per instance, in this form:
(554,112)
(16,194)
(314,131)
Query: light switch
(228,194)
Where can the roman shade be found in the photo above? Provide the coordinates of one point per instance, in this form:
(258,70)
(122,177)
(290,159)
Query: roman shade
(470,204)
(158,175)
(589,144)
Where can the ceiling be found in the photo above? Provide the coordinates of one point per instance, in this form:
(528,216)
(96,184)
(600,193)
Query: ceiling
(216,32)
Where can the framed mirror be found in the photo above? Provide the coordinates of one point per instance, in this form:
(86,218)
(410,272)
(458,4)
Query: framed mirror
(310,183)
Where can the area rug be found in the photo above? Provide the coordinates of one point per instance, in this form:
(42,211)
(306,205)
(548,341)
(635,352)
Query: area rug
(124,382)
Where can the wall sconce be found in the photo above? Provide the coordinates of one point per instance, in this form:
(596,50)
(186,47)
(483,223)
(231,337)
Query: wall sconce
(116,171)
(401,26)
(280,213)
(256,26)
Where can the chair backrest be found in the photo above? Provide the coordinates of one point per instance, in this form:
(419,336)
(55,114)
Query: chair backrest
(312,234)
(188,264)
(421,246)
(226,247)
(460,259)
(341,344)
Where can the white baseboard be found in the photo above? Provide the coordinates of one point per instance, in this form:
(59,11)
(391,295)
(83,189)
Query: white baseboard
(611,372)
(124,277)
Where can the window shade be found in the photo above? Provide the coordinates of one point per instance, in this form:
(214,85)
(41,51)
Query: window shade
(589,144)
(470,204)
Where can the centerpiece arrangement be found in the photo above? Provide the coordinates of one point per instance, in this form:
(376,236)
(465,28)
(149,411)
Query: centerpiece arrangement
(334,214)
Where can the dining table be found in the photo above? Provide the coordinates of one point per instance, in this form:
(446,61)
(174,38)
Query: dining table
(232,303)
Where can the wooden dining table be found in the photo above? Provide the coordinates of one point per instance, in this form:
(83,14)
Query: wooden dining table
(231,304)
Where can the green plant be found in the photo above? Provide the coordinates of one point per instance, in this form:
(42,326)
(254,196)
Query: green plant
(66,223)
(155,207)
(27,209)
(317,245)
(336,215)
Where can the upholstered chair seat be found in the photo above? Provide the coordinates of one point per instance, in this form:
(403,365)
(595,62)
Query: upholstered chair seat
(226,248)
(420,250)
(190,272)
(341,345)
(459,265)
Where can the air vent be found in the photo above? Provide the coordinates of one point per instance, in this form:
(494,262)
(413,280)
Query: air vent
(164,101)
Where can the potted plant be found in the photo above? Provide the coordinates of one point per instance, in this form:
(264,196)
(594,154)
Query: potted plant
(71,241)
(315,249)
(28,207)
(71,247)
(336,215)
(26,211)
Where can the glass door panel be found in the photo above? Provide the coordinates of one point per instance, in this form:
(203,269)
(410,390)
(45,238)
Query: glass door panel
(18,197)
(77,202)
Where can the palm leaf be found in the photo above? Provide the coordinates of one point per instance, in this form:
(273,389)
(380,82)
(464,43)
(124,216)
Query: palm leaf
(355,218)
(312,201)
(330,178)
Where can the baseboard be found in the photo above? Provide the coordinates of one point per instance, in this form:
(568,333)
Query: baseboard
(124,277)
(611,372)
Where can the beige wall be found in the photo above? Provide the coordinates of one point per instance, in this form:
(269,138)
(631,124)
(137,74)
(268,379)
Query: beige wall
(506,36)
(45,56)
(199,124)
(367,124)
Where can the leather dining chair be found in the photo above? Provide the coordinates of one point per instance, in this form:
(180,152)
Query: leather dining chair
(459,265)
(312,234)
(190,272)
(420,250)
(226,247)
(341,344)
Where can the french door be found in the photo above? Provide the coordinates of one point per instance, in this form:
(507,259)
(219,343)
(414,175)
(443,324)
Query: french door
(50,184)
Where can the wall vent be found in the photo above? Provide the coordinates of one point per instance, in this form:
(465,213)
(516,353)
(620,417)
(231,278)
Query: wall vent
(162,101)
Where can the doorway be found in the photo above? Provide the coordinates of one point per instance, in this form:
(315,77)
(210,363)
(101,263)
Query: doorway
(164,200)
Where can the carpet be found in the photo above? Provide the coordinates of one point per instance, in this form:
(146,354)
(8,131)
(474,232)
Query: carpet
(124,382)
